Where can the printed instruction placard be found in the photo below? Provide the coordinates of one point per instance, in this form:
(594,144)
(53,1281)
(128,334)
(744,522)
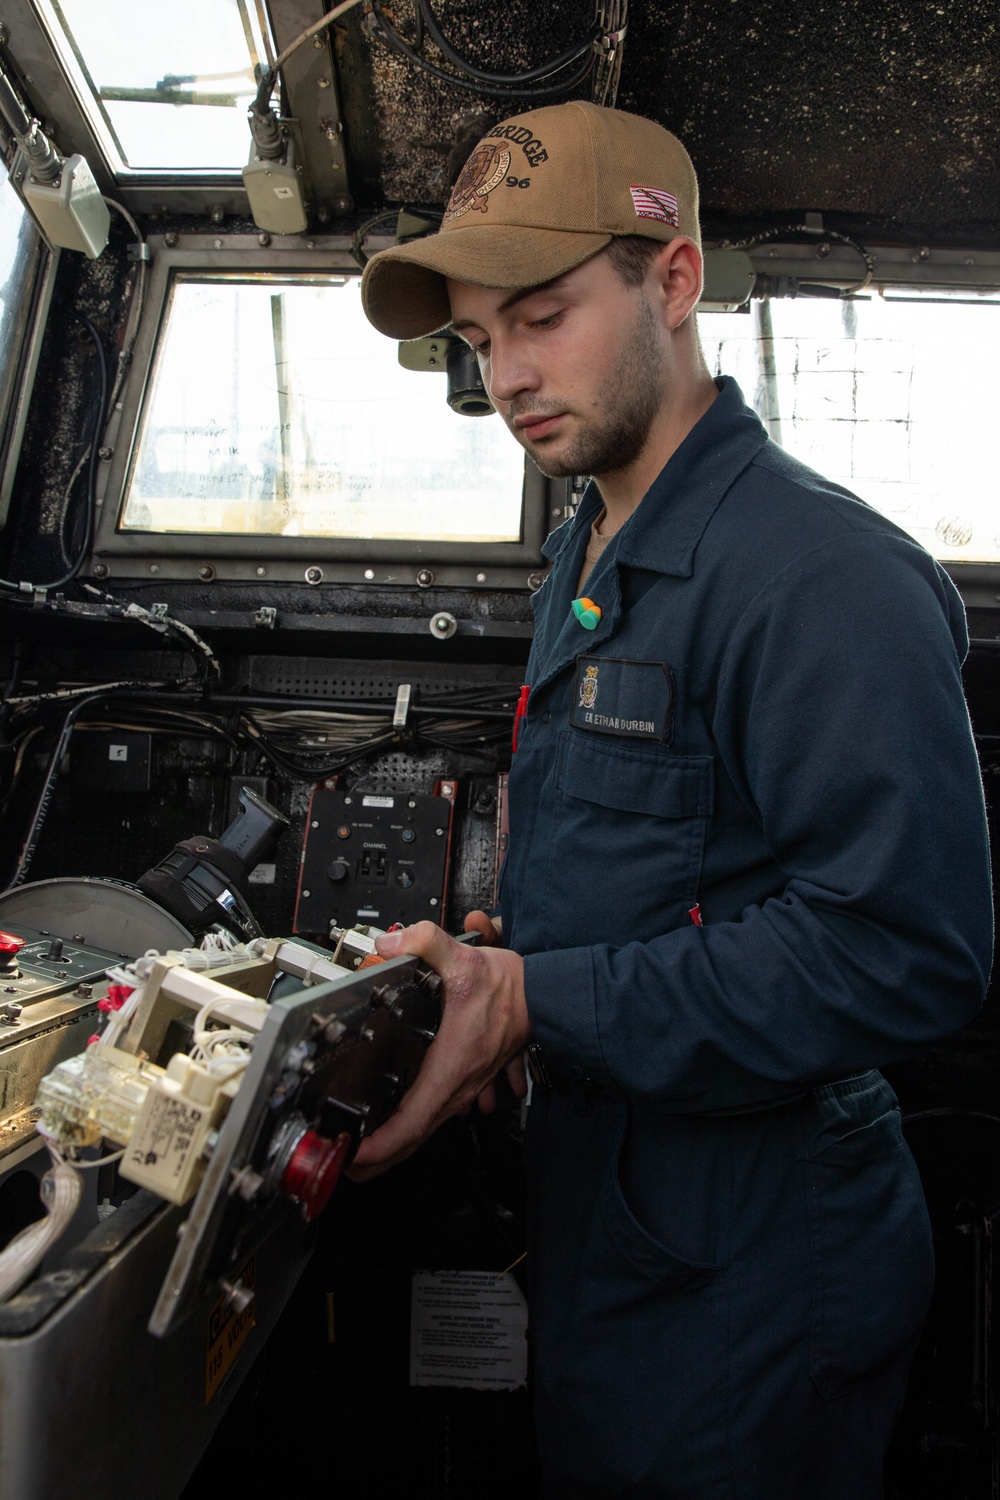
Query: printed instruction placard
(468,1328)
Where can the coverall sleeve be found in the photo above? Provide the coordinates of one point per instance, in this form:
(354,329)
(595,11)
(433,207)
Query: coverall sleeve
(841,720)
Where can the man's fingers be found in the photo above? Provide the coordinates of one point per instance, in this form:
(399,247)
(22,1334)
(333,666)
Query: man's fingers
(488,927)
(517,1077)
(422,940)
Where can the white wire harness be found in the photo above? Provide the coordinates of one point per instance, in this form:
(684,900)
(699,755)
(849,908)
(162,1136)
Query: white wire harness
(61,1190)
(107,1094)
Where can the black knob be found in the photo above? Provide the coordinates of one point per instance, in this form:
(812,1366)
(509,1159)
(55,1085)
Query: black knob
(55,948)
(339,870)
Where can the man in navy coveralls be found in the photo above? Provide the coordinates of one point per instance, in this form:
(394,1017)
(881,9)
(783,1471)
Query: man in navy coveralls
(747,862)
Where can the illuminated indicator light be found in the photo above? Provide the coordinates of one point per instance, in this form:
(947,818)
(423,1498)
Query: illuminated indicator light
(314,1170)
(587,612)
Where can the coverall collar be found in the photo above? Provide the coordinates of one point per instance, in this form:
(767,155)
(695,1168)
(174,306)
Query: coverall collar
(661,536)
(663,532)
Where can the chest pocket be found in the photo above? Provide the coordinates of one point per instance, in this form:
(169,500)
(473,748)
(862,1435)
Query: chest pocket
(627,841)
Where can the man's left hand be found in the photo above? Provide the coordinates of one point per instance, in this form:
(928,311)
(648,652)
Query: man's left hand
(484,1027)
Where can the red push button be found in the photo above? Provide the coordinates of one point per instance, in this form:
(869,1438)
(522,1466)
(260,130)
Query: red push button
(10,947)
(314,1170)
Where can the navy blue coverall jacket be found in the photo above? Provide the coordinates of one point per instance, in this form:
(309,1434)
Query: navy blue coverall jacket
(729,1251)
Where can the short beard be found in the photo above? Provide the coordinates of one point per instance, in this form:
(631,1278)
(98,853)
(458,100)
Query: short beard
(630,397)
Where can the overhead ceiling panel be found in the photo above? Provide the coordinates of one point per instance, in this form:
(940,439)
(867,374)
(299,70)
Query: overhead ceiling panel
(882,116)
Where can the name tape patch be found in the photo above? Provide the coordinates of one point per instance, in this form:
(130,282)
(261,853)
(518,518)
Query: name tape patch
(631,699)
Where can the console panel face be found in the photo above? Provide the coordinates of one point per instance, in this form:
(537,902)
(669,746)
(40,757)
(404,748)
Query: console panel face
(374,857)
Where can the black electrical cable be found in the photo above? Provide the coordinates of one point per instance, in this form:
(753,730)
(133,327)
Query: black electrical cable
(269,77)
(532,75)
(372,706)
(48,786)
(91,497)
(13,678)
(260,741)
(766,235)
(95,443)
(56,760)
(485,91)
(389,216)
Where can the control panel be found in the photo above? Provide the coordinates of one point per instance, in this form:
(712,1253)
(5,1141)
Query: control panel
(36,964)
(374,858)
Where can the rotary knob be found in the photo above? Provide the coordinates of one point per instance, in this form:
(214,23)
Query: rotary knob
(338,871)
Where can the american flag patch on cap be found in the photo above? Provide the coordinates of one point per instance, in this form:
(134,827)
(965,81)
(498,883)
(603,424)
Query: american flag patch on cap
(654,203)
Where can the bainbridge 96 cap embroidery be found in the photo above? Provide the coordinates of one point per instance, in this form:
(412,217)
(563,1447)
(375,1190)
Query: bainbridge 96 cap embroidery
(540,194)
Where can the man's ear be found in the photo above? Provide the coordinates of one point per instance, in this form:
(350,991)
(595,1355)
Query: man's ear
(675,280)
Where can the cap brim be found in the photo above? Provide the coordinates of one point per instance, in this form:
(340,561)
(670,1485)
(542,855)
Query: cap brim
(403,290)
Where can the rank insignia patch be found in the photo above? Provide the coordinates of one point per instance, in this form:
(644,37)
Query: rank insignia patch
(588,687)
(630,699)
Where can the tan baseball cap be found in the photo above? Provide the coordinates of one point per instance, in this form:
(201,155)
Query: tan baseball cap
(540,194)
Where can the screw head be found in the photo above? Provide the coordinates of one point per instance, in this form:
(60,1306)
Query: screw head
(170,239)
(261,572)
(206,572)
(369,575)
(101,570)
(425,578)
(264,239)
(535,581)
(314,575)
(106,453)
(154,567)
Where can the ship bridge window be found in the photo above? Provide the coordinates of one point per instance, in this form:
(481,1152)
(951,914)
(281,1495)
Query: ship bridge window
(275,409)
(162,97)
(892,396)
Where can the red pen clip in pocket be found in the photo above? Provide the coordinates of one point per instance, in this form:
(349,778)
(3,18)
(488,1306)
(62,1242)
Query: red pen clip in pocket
(519,714)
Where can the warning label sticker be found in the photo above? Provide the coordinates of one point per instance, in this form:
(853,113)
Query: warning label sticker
(468,1328)
(166,1132)
(228,1331)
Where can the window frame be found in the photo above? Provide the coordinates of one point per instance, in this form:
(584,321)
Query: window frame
(131,553)
(14,420)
